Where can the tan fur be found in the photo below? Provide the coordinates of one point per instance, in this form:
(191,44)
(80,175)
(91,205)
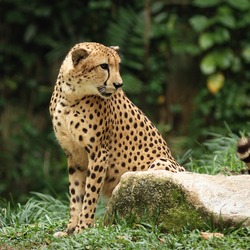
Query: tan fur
(101,131)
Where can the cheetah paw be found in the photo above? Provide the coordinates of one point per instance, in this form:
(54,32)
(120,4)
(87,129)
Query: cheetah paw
(60,234)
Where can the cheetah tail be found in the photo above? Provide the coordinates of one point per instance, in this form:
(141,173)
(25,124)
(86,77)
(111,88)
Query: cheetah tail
(243,150)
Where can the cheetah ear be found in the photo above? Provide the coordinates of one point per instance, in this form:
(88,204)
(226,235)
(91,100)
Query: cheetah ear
(116,48)
(78,55)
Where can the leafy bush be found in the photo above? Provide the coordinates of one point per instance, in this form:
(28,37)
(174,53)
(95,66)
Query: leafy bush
(168,49)
(223,41)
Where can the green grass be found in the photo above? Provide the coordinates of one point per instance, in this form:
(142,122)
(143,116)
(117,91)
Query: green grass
(215,155)
(32,225)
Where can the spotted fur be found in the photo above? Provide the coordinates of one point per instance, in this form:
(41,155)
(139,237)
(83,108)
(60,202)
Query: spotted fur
(101,131)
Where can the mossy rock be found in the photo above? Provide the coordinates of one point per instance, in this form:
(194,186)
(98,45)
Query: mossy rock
(153,198)
(179,200)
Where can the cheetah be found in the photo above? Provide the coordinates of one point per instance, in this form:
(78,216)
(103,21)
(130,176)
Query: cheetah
(102,133)
(243,151)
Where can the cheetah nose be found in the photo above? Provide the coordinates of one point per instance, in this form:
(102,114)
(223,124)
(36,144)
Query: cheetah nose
(117,85)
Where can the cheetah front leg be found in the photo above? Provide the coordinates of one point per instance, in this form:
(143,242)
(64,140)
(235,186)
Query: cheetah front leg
(77,183)
(77,169)
(95,178)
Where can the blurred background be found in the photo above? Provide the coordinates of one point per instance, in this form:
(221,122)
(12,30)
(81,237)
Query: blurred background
(185,63)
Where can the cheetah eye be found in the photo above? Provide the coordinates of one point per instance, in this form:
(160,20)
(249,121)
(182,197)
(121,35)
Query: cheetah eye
(104,66)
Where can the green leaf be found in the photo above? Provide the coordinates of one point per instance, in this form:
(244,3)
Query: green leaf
(15,16)
(206,3)
(246,54)
(206,40)
(227,20)
(224,58)
(236,64)
(221,35)
(225,16)
(199,22)
(208,64)
(30,32)
(239,4)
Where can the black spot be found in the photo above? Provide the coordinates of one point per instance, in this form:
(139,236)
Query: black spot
(87,149)
(80,138)
(92,156)
(84,130)
(71,170)
(96,168)
(88,173)
(93,176)
(77,125)
(99,180)
(92,139)
(93,188)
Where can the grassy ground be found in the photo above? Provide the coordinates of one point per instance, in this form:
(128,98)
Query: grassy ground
(31,226)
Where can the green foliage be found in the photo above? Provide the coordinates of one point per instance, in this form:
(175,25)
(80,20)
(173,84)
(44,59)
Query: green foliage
(156,38)
(223,41)
(30,157)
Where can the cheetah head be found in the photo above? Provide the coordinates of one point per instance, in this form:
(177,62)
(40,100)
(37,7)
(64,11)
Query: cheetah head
(91,69)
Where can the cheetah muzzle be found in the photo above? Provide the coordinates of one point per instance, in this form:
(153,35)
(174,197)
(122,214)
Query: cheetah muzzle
(101,131)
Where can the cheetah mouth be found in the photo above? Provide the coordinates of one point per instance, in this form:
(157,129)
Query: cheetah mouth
(106,94)
(102,90)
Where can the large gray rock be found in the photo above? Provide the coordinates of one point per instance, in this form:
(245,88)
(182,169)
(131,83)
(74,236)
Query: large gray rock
(182,199)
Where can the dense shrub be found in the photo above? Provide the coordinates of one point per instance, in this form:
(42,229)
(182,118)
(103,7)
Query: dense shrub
(186,64)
